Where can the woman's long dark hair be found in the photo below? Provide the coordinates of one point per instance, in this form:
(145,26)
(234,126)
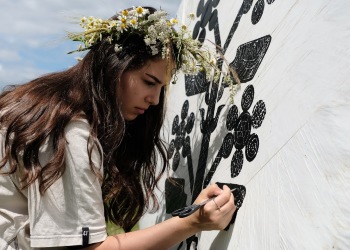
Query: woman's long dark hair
(43,107)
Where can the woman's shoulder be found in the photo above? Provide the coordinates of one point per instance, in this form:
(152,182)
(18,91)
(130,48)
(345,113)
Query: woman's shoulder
(76,131)
(77,127)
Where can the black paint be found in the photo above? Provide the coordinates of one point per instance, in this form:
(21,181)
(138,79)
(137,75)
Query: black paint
(259,113)
(224,152)
(236,163)
(195,84)
(240,142)
(245,7)
(252,147)
(242,131)
(176,161)
(246,63)
(249,57)
(174,191)
(182,141)
(258,10)
(232,117)
(247,98)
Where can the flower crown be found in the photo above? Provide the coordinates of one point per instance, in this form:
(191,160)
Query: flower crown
(193,56)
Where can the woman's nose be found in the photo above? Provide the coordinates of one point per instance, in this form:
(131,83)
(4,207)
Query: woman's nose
(153,98)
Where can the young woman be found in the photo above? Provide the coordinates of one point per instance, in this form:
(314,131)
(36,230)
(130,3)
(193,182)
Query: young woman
(80,147)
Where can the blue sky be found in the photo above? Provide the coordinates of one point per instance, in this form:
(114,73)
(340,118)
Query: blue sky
(32,33)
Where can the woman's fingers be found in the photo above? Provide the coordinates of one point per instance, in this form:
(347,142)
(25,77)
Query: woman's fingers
(224,200)
(213,190)
(209,192)
(218,212)
(222,197)
(225,207)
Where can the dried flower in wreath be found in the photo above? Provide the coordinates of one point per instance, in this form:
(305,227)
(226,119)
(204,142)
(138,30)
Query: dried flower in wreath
(193,56)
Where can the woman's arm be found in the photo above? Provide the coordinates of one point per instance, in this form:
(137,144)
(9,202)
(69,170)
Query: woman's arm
(174,230)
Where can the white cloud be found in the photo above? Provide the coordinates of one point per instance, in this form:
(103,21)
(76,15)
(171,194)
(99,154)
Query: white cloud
(32,32)
(32,18)
(17,74)
(9,55)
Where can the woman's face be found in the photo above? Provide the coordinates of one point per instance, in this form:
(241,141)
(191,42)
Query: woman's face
(140,88)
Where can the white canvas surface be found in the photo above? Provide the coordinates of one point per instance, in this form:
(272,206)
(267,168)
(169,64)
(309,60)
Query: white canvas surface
(298,184)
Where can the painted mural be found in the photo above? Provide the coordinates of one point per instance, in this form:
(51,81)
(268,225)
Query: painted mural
(283,141)
(239,124)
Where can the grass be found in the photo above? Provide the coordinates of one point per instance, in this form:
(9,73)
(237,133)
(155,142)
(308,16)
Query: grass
(113,229)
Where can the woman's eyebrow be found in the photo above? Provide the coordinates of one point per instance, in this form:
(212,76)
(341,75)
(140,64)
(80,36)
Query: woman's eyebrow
(154,78)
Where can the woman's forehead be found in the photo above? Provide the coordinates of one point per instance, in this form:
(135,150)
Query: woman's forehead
(161,69)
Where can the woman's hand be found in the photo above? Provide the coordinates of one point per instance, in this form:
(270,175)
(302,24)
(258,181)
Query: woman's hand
(176,229)
(216,214)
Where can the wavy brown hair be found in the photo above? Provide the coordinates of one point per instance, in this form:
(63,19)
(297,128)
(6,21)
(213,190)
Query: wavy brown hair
(43,107)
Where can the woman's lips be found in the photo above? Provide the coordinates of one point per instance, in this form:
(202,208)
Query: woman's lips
(140,110)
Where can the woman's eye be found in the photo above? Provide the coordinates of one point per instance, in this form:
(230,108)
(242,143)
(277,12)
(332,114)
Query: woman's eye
(150,83)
